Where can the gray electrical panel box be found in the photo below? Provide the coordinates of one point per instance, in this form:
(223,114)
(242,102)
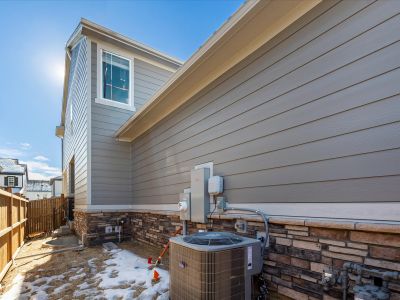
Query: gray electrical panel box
(200,199)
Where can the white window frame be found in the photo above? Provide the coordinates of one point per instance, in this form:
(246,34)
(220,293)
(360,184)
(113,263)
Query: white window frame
(8,181)
(99,99)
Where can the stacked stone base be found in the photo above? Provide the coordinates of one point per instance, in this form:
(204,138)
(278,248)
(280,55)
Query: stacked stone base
(91,227)
(300,249)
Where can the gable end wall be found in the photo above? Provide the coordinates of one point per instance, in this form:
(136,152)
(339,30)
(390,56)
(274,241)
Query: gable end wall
(76,132)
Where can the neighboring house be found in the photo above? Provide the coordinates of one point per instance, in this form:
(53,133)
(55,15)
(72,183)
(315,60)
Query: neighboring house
(13,174)
(37,189)
(56,186)
(295,103)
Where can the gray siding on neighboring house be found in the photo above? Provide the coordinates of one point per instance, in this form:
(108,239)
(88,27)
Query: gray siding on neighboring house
(75,138)
(110,160)
(313,116)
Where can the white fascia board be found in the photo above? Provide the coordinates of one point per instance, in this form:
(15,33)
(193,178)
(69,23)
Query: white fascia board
(128,41)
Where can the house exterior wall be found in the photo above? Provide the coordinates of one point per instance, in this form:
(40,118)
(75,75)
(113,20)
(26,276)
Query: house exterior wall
(148,79)
(17,188)
(37,195)
(21,181)
(312,117)
(56,188)
(110,159)
(310,120)
(299,252)
(76,131)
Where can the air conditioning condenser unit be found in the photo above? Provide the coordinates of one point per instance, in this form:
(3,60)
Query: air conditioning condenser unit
(213,265)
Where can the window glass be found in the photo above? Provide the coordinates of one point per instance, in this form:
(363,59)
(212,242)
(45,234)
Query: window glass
(11,181)
(115,78)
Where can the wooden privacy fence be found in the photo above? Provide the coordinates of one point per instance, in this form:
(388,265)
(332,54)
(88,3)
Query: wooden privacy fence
(46,215)
(13,214)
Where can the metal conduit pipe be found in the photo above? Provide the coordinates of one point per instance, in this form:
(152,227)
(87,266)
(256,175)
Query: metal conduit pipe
(263,215)
(354,268)
(390,275)
(184,227)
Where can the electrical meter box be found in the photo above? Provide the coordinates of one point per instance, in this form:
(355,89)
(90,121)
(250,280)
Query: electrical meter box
(184,206)
(200,199)
(215,185)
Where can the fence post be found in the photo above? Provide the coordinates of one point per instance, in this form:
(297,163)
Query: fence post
(64,208)
(54,217)
(20,225)
(10,223)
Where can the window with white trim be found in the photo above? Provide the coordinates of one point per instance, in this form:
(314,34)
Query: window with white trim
(115,78)
(10,181)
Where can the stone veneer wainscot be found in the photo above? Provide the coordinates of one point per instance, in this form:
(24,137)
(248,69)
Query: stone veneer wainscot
(300,249)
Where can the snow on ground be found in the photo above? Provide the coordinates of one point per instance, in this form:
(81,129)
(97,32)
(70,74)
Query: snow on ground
(123,276)
(125,268)
(31,290)
(15,289)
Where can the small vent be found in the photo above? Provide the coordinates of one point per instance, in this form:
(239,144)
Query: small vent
(213,239)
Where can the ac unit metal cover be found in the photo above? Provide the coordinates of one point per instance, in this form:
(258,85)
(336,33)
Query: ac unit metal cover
(213,265)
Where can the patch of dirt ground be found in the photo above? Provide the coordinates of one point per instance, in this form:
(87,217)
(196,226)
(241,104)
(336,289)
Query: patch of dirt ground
(89,273)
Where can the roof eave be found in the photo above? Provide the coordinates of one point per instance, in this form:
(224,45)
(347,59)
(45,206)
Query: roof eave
(65,87)
(75,36)
(12,173)
(253,25)
(91,26)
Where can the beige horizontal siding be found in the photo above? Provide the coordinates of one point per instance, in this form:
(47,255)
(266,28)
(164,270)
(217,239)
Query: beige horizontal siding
(314,116)
(110,160)
(75,139)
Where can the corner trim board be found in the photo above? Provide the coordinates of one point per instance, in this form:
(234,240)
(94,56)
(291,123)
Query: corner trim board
(89,120)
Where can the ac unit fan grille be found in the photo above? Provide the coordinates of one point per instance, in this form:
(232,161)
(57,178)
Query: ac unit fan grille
(213,239)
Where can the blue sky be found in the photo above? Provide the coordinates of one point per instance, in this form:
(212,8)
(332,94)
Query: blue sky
(33,36)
